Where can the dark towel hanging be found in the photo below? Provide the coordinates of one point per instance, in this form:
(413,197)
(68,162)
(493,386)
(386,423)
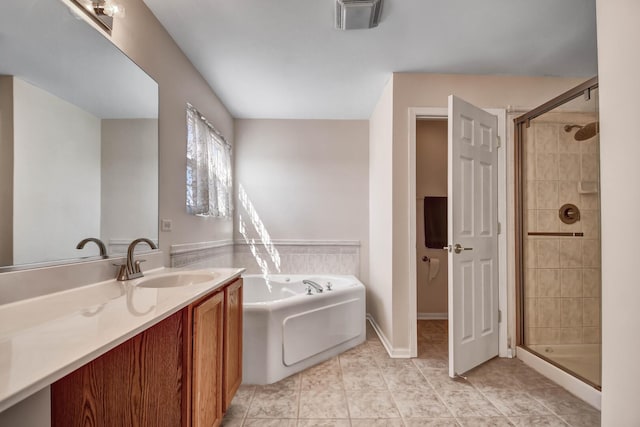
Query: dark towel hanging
(435,222)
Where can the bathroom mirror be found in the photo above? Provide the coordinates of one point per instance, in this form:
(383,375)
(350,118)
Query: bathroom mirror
(78,139)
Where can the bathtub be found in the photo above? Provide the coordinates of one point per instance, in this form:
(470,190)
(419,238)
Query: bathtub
(286,330)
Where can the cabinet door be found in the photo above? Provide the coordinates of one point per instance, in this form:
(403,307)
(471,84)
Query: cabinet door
(233,341)
(138,383)
(207,363)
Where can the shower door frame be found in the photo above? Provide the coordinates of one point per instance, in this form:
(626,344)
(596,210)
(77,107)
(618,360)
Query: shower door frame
(520,123)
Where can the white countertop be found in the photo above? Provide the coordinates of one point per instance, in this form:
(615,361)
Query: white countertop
(45,338)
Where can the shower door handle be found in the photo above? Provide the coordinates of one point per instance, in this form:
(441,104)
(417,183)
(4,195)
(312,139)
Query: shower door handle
(459,248)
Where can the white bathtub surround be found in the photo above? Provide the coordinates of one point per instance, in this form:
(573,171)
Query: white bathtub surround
(301,256)
(579,388)
(212,254)
(287,330)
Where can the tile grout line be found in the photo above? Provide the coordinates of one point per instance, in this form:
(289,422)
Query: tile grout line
(436,393)
(246,413)
(494,405)
(299,398)
(393,399)
(551,410)
(344,388)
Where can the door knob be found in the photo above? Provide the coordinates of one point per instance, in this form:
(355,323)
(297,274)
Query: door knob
(459,248)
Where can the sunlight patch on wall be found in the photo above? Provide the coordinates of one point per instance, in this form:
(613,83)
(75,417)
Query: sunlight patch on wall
(261,239)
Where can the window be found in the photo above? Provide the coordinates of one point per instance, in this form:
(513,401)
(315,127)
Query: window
(208,168)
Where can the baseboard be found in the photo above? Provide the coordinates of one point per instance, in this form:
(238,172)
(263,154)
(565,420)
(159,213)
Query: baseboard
(584,391)
(396,353)
(433,316)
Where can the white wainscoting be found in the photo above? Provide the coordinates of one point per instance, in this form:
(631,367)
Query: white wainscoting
(120,246)
(299,257)
(203,254)
(281,256)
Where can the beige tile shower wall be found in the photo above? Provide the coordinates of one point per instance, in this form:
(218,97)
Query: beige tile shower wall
(562,284)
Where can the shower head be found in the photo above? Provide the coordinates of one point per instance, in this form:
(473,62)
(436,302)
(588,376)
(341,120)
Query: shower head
(587,131)
(584,132)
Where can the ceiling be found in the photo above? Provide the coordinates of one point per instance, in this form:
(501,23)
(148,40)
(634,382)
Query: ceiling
(285,59)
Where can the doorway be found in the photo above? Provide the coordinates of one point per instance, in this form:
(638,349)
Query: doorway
(431,215)
(416,118)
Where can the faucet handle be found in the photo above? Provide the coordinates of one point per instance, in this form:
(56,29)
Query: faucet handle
(136,264)
(329,286)
(122,272)
(309,290)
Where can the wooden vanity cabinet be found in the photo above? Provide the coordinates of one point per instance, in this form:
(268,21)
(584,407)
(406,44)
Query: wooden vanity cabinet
(206,361)
(138,383)
(232,341)
(183,371)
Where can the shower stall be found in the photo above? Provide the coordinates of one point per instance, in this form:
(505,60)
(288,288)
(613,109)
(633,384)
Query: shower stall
(558,232)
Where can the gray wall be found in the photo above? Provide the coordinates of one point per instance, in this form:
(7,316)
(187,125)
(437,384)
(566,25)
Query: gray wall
(146,42)
(307,179)
(129,179)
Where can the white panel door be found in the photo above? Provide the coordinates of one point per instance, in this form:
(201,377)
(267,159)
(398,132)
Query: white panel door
(473,236)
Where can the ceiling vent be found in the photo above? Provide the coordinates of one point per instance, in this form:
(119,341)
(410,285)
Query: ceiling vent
(357,14)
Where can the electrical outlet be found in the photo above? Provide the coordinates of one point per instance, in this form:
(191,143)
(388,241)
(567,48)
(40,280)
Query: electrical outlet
(166,225)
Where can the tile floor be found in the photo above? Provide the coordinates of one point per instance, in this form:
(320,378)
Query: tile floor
(364,387)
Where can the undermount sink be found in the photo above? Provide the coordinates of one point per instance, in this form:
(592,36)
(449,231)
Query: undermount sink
(176,279)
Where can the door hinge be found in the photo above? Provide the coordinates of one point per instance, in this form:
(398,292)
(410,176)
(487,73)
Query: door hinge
(499,227)
(499,316)
(499,142)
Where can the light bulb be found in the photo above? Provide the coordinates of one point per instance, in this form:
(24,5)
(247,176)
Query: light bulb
(115,10)
(108,8)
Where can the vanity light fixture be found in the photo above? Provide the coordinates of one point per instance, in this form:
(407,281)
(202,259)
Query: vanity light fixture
(108,8)
(357,14)
(102,11)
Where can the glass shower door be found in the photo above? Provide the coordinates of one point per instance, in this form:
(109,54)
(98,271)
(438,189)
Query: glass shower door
(560,235)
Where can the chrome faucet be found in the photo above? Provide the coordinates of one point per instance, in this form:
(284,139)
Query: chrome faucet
(131,270)
(313,284)
(101,246)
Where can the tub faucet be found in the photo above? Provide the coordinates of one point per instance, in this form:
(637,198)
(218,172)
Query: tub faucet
(313,284)
(131,270)
(101,246)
